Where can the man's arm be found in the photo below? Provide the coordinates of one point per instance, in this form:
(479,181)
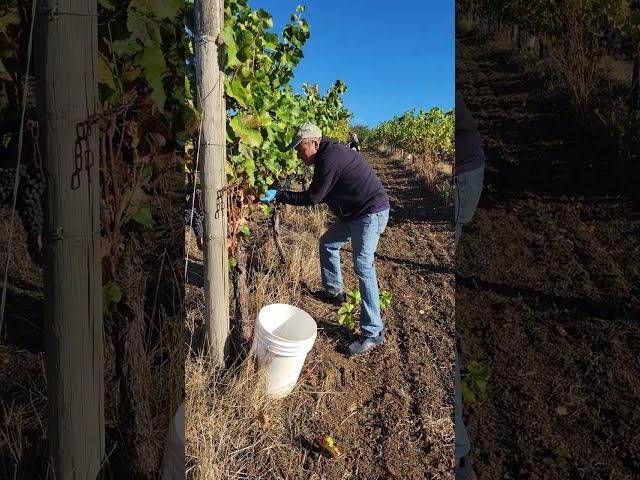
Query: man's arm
(294,198)
(324,178)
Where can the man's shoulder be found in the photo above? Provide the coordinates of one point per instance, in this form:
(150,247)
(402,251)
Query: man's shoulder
(338,148)
(335,153)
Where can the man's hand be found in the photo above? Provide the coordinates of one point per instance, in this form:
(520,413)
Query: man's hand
(269,196)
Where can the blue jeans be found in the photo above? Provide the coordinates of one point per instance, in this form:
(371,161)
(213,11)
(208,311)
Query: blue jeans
(467,195)
(363,234)
(463,445)
(468,191)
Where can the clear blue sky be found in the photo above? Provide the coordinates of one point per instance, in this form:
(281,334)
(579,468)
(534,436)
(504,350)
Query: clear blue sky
(393,55)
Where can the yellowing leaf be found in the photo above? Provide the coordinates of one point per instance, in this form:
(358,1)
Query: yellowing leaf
(326,442)
(246,134)
(105,75)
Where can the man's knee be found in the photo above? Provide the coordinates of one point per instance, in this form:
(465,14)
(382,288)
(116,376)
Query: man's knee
(363,266)
(324,244)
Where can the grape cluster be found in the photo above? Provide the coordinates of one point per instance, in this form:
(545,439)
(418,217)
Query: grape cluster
(31,188)
(198,219)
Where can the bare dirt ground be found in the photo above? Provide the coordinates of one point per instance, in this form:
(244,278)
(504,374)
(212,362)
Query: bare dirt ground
(391,412)
(548,289)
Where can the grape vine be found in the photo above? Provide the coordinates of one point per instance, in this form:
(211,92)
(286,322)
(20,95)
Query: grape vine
(580,34)
(428,136)
(263,110)
(29,200)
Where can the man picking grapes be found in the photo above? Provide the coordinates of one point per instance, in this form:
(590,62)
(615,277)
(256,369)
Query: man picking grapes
(348,185)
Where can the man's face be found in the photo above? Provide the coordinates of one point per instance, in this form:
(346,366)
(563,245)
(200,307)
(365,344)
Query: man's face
(307,149)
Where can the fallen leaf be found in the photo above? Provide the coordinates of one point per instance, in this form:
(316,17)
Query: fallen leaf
(326,442)
(263,418)
(561,331)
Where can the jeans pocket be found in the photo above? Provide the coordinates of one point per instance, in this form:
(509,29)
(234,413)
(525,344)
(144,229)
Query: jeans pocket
(382,218)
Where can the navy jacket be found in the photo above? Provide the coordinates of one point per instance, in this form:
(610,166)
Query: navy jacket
(469,144)
(344,181)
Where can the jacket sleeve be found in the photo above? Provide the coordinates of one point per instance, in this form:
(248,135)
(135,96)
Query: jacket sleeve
(294,198)
(325,176)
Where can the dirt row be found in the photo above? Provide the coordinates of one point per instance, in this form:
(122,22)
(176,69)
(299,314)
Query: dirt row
(392,410)
(549,280)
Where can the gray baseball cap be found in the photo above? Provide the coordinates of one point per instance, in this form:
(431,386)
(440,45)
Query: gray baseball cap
(306,130)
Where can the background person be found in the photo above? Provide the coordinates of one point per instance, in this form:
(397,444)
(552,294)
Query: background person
(354,142)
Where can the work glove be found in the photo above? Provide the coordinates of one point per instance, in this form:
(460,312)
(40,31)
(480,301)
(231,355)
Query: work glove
(269,196)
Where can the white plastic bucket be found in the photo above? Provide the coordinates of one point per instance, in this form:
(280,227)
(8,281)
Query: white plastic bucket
(173,461)
(282,337)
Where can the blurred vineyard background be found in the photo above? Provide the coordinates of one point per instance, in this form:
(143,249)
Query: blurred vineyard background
(588,49)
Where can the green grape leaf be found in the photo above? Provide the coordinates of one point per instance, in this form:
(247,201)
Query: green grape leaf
(9,17)
(151,59)
(143,216)
(143,28)
(240,93)
(105,75)
(246,134)
(108,4)
(126,47)
(164,9)
(468,396)
(111,296)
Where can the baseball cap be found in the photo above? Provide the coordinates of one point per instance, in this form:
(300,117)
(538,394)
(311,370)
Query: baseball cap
(306,130)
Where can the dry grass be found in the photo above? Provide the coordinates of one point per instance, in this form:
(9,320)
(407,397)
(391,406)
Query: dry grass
(437,175)
(465,23)
(22,411)
(594,79)
(23,415)
(233,431)
(616,69)
(21,268)
(23,408)
(224,437)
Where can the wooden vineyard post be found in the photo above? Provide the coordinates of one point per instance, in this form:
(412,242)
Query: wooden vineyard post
(66,53)
(210,74)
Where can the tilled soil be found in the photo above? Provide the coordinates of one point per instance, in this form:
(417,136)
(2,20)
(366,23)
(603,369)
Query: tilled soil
(548,289)
(392,410)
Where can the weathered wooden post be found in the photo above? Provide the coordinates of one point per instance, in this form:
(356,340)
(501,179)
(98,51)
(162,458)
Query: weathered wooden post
(210,75)
(66,50)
